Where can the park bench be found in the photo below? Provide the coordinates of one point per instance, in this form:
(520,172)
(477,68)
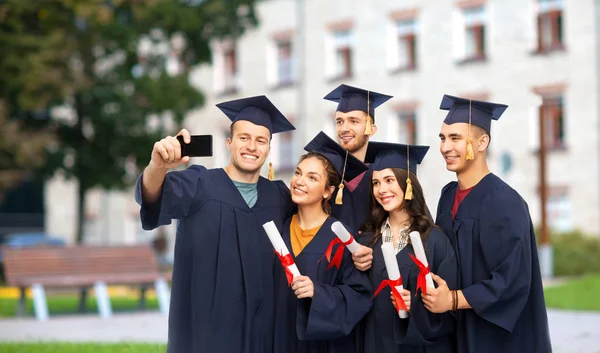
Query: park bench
(83,267)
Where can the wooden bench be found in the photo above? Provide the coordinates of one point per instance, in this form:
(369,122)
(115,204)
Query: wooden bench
(83,267)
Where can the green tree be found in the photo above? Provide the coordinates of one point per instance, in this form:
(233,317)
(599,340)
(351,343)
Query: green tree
(117,75)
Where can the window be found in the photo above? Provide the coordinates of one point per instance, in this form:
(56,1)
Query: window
(407,44)
(474,33)
(284,62)
(230,71)
(408,127)
(549,25)
(551,112)
(343,54)
(559,209)
(286,160)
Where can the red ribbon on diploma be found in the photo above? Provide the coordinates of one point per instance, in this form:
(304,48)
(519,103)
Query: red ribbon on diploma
(339,253)
(400,304)
(286,261)
(423,271)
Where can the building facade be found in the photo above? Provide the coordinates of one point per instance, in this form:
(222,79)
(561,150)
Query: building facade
(540,57)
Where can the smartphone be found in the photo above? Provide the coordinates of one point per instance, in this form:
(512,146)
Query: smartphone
(199,146)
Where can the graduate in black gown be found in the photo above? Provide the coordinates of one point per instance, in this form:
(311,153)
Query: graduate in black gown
(318,313)
(396,212)
(501,300)
(222,297)
(355,124)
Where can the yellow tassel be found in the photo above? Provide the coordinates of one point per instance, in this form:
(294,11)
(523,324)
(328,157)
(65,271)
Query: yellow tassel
(368,128)
(470,154)
(340,194)
(271,171)
(408,195)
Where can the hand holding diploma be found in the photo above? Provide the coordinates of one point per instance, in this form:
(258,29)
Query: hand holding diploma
(394,281)
(344,239)
(424,280)
(287,261)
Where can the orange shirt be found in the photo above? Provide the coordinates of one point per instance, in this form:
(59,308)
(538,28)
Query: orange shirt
(300,237)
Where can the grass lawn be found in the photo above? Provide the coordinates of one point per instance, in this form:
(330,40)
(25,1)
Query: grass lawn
(579,294)
(70,304)
(81,348)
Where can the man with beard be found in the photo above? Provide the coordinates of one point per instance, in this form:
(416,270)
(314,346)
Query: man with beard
(354,124)
(500,300)
(223,280)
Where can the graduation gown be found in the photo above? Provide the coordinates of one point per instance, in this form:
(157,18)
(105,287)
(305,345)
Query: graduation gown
(356,204)
(499,271)
(223,276)
(422,331)
(324,323)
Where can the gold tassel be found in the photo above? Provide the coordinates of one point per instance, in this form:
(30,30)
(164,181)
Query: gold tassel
(409,190)
(271,175)
(470,154)
(368,128)
(340,194)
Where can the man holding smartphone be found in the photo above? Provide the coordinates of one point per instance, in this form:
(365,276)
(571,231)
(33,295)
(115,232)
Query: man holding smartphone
(222,292)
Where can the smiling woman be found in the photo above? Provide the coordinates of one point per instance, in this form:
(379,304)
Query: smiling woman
(323,305)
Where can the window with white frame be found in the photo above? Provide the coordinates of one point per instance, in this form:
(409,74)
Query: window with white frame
(407,44)
(550,25)
(286,160)
(407,127)
(230,70)
(342,40)
(559,210)
(285,62)
(474,20)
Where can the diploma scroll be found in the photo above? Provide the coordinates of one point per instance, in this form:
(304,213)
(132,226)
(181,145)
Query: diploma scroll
(417,244)
(346,238)
(393,271)
(287,261)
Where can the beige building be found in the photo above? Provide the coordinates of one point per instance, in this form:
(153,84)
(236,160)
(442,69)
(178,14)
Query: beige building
(537,56)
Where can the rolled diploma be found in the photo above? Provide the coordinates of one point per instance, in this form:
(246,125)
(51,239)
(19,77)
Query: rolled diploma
(417,245)
(392,269)
(279,245)
(344,236)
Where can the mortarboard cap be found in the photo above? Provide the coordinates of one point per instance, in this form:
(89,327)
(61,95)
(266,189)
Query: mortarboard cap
(258,110)
(481,112)
(352,98)
(337,156)
(382,155)
(348,166)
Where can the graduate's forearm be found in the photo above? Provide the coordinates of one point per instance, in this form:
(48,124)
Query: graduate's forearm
(152,182)
(462,301)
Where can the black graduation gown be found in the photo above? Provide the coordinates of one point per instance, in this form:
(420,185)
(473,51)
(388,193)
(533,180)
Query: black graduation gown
(356,204)
(322,324)
(499,271)
(222,296)
(422,331)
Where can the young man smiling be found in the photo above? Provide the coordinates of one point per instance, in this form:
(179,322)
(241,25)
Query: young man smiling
(223,281)
(354,125)
(500,301)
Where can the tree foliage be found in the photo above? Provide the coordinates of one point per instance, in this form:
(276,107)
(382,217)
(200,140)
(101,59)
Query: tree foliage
(113,75)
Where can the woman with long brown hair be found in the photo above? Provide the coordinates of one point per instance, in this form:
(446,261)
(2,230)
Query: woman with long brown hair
(398,208)
(318,313)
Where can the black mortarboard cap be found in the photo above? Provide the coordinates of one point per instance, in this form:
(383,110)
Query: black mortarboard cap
(337,156)
(258,110)
(352,98)
(482,113)
(382,155)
